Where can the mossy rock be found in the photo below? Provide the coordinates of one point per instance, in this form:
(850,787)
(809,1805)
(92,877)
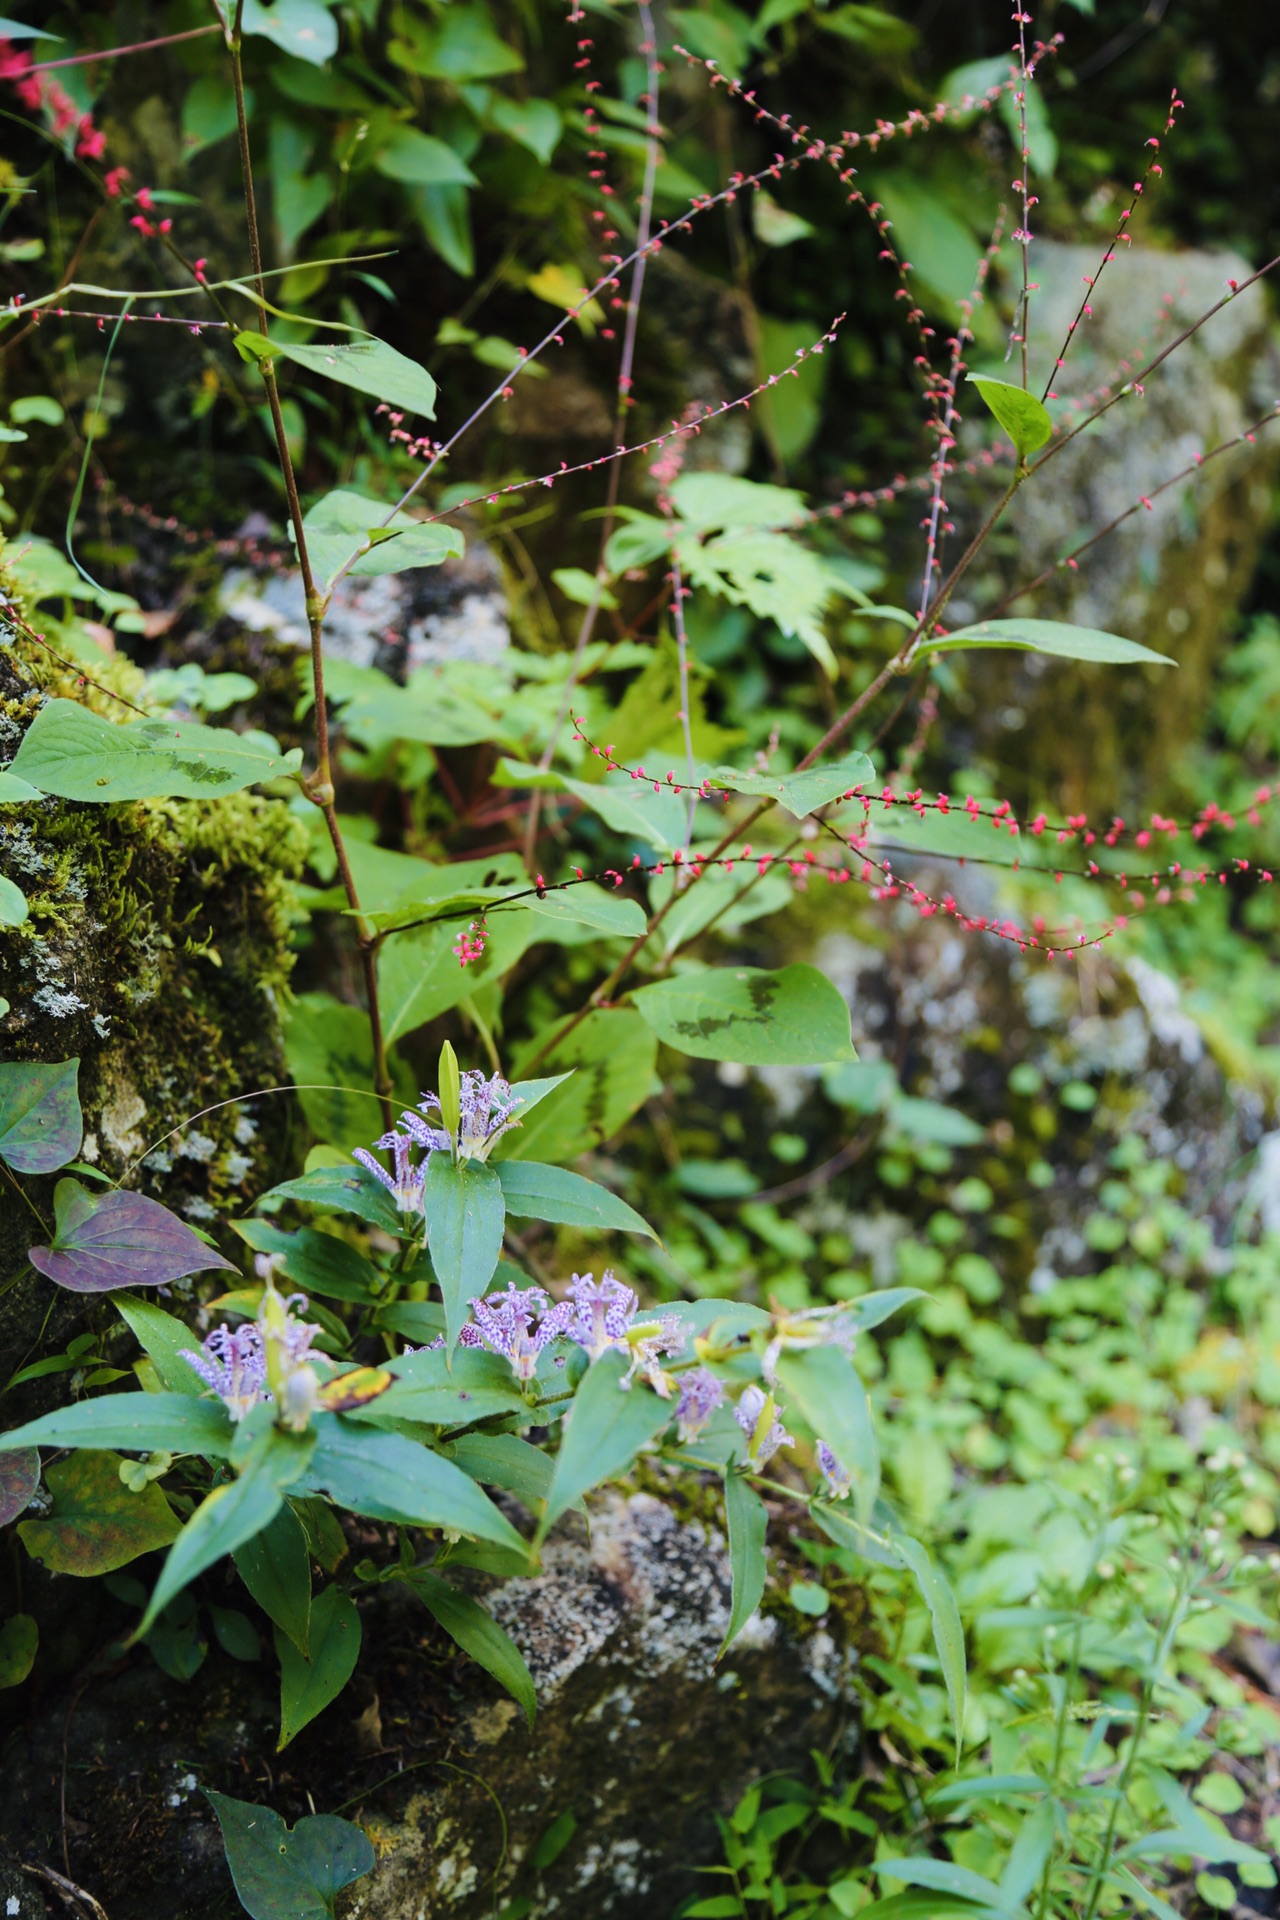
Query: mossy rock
(157,942)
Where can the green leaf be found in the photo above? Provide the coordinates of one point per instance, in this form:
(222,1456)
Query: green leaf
(436,1391)
(611,1057)
(41,1125)
(276,1567)
(345,524)
(13,904)
(372,367)
(96,1524)
(603,1434)
(342,1190)
(536,124)
(944,1877)
(388,1477)
(316,1262)
(535,1192)
(1049,636)
(794,1017)
(504,1460)
(304,28)
(706,501)
(1023,417)
(463,46)
(116,1239)
(330,1056)
(465,1214)
(422,161)
(948,1634)
(139,1422)
(747,1523)
(163,1339)
(14,791)
(823,1386)
(232,1514)
(630,807)
(77,755)
(236,1633)
(587,905)
(801,793)
(19,1639)
(478,1634)
(19,1478)
(289,1874)
(308,1683)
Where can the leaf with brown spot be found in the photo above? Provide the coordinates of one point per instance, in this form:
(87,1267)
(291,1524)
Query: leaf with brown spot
(97,1524)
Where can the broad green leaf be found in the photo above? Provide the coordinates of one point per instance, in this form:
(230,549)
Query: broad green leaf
(478,1634)
(423,161)
(871,1309)
(439,1392)
(41,1125)
(930,1120)
(342,1190)
(13,791)
(289,1874)
(419,976)
(116,1239)
(77,755)
(716,500)
(587,905)
(316,1262)
(535,1192)
(823,1386)
(630,807)
(330,1056)
(801,793)
(715,897)
(19,1640)
(465,1214)
(308,1683)
(14,911)
(304,28)
(231,1514)
(97,1523)
(1023,417)
(1049,636)
(461,46)
(504,1460)
(794,1017)
(388,1477)
(276,1567)
(611,1054)
(606,1429)
(948,1634)
(343,524)
(138,1422)
(536,124)
(372,367)
(747,1523)
(19,1478)
(163,1339)
(772,574)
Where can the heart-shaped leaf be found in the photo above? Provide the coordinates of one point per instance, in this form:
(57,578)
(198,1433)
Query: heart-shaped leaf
(289,1874)
(97,1523)
(119,1240)
(1023,418)
(19,1478)
(19,1638)
(40,1120)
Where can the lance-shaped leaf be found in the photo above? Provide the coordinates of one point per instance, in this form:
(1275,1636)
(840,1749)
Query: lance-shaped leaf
(605,1430)
(948,1633)
(284,1873)
(1023,417)
(41,1125)
(823,1386)
(1049,636)
(478,1634)
(465,1214)
(445,1391)
(19,1478)
(164,1340)
(118,1239)
(372,367)
(747,1522)
(275,1565)
(232,1514)
(794,1017)
(97,1523)
(308,1682)
(801,793)
(138,1422)
(342,1190)
(388,1477)
(535,1192)
(78,755)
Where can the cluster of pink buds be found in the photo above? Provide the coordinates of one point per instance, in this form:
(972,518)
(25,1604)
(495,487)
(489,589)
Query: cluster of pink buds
(470,945)
(41,94)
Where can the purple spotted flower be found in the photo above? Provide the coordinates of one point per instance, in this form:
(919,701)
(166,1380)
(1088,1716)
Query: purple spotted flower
(750,1413)
(234,1363)
(405,1184)
(839,1480)
(700,1394)
(602,1315)
(518,1324)
(488,1110)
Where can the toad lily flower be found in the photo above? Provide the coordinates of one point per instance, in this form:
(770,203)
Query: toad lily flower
(466,1119)
(234,1364)
(757,1415)
(603,1316)
(259,1360)
(809,1327)
(839,1480)
(700,1394)
(518,1324)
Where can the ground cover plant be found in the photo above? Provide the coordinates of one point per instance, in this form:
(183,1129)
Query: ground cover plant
(546,899)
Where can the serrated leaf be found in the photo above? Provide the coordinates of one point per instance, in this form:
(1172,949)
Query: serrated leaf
(97,1523)
(465,1214)
(289,1874)
(138,1422)
(793,1017)
(479,1635)
(1049,636)
(41,1125)
(116,1239)
(77,755)
(372,367)
(747,1522)
(308,1683)
(608,1426)
(536,1192)
(1023,417)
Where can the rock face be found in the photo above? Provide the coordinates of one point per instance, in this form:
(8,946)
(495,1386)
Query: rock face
(1173,575)
(605,1808)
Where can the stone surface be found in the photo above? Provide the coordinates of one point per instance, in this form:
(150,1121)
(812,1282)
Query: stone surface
(1171,577)
(641,1738)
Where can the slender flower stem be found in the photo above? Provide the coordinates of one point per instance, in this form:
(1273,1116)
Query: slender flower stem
(115,53)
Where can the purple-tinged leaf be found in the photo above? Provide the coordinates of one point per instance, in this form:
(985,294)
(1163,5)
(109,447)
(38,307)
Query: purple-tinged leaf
(118,1240)
(19,1478)
(40,1120)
